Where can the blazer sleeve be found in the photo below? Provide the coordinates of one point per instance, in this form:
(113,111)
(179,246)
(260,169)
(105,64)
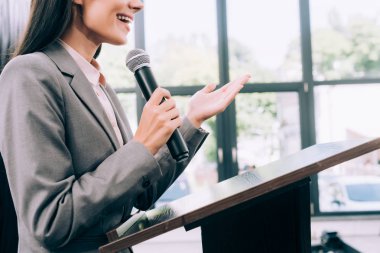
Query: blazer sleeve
(54,205)
(171,170)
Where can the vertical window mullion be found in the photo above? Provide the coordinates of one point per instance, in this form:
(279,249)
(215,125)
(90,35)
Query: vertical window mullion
(307,112)
(226,121)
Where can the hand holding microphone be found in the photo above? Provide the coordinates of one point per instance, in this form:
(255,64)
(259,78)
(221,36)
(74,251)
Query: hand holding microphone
(158,121)
(160,118)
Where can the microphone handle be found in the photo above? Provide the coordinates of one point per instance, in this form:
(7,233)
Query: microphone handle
(176,144)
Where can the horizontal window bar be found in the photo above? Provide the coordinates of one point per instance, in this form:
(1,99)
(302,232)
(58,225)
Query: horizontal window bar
(349,81)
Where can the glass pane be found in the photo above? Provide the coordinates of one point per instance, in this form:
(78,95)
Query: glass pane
(345,38)
(351,186)
(181,40)
(112,62)
(264,39)
(347,112)
(128,102)
(268,128)
(202,170)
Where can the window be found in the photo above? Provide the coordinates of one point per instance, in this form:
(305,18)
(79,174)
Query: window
(264,39)
(182,43)
(346,39)
(268,128)
(348,112)
(294,90)
(128,102)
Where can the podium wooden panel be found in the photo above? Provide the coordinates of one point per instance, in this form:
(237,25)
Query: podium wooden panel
(267,210)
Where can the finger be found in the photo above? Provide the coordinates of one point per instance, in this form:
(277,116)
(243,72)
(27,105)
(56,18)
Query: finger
(176,123)
(167,105)
(243,79)
(234,89)
(158,95)
(240,81)
(172,114)
(231,94)
(236,83)
(209,88)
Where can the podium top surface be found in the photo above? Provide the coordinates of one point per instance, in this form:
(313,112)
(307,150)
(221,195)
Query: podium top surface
(236,190)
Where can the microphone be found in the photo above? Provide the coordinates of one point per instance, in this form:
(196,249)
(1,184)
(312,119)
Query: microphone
(138,62)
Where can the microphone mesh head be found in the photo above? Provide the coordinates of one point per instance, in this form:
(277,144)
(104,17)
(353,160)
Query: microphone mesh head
(136,59)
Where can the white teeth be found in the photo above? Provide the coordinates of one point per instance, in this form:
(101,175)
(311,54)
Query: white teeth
(124,18)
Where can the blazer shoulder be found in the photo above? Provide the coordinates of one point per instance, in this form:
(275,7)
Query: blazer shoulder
(35,69)
(36,60)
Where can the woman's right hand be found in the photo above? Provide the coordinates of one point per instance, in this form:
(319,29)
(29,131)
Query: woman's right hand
(158,121)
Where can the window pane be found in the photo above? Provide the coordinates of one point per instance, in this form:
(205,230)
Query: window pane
(347,112)
(351,186)
(345,38)
(128,102)
(268,128)
(202,170)
(264,39)
(182,43)
(112,62)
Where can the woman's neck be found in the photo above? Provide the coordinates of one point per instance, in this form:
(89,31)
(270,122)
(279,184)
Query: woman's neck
(75,37)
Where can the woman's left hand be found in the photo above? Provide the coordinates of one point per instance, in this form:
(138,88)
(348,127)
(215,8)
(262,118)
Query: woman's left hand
(208,102)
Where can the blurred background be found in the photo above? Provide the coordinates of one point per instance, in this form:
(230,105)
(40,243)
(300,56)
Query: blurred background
(316,78)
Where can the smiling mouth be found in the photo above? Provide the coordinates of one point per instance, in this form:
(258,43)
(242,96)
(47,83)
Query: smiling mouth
(124,18)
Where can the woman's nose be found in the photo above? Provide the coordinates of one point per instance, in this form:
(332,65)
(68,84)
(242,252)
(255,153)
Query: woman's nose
(136,5)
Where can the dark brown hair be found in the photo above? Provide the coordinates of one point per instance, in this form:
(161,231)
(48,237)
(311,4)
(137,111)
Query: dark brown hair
(47,22)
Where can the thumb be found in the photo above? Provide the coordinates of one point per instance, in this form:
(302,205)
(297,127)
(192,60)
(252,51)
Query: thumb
(209,88)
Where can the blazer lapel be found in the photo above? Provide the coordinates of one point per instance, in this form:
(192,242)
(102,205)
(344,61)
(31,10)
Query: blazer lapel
(82,87)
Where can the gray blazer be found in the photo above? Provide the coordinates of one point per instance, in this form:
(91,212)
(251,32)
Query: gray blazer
(69,180)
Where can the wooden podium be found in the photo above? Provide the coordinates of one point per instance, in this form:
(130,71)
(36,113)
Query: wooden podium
(267,210)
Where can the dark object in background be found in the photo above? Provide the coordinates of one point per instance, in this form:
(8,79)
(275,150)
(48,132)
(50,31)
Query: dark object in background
(13,16)
(331,243)
(8,220)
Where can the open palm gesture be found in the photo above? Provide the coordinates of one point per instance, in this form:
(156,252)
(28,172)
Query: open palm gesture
(208,102)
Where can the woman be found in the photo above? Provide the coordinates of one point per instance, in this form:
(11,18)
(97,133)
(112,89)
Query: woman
(74,167)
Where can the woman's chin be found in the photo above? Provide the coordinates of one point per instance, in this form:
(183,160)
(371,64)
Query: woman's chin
(118,41)
(114,39)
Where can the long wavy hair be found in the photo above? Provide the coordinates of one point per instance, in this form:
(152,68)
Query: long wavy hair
(47,22)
